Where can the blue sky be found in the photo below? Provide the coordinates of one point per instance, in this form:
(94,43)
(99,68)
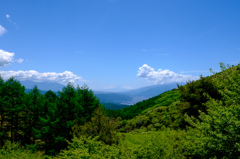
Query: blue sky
(117,43)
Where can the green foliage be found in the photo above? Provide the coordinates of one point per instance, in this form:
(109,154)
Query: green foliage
(228,83)
(14,151)
(166,144)
(49,122)
(198,120)
(218,129)
(101,126)
(42,122)
(84,147)
(195,95)
(113,106)
(12,107)
(163,99)
(158,118)
(88,101)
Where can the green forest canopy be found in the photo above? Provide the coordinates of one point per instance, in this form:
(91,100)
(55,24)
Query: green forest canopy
(198,120)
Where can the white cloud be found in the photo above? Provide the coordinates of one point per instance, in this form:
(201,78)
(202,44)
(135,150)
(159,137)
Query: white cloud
(62,78)
(2,30)
(8,16)
(19,60)
(162,76)
(5,58)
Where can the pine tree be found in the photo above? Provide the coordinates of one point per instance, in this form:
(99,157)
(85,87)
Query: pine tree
(88,101)
(32,112)
(2,112)
(49,122)
(14,94)
(68,110)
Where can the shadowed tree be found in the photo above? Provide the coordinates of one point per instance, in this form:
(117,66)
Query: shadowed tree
(14,95)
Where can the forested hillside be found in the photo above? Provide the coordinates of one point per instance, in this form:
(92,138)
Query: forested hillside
(42,121)
(198,120)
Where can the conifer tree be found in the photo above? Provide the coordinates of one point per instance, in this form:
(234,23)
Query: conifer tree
(14,94)
(68,110)
(49,122)
(32,112)
(100,125)
(88,101)
(2,112)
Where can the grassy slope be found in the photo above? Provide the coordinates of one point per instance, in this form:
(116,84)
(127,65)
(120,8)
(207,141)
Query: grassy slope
(163,99)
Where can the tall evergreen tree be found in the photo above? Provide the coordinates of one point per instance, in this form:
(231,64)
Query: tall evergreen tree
(88,101)
(14,95)
(49,122)
(2,112)
(33,110)
(68,109)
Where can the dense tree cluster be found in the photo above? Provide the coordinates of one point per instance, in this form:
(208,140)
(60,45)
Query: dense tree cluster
(100,126)
(42,121)
(195,95)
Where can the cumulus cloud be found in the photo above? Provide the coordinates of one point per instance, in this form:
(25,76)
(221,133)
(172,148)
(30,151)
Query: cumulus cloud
(162,76)
(5,58)
(62,78)
(2,30)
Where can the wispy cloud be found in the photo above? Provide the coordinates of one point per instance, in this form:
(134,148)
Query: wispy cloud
(118,87)
(151,50)
(127,87)
(19,60)
(5,58)
(62,78)
(9,19)
(2,30)
(8,16)
(193,71)
(162,76)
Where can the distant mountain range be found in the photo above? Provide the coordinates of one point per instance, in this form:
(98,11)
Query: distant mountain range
(44,86)
(136,95)
(118,98)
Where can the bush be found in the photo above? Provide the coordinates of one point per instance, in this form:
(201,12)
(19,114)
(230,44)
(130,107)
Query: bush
(14,151)
(165,144)
(101,126)
(219,131)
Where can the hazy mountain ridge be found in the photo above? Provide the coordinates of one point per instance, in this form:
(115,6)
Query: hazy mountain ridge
(119,98)
(44,86)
